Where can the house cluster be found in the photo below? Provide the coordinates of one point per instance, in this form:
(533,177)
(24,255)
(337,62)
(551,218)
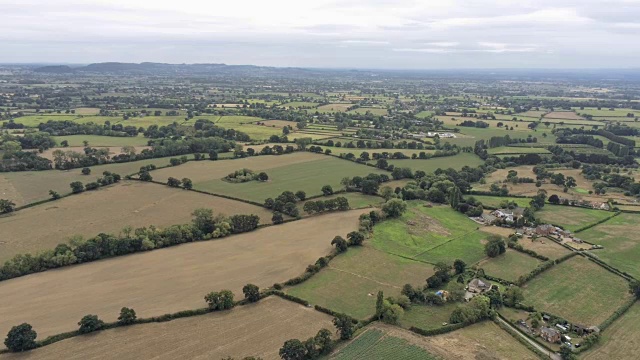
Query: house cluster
(550,230)
(430,134)
(598,205)
(475,287)
(505,215)
(558,333)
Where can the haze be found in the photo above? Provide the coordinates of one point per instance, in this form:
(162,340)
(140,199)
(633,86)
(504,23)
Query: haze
(351,33)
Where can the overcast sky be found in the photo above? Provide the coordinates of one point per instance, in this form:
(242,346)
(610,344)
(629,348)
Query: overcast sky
(422,34)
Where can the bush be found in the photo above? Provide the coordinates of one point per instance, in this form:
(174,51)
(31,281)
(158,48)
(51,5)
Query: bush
(222,300)
(127,316)
(86,171)
(251,292)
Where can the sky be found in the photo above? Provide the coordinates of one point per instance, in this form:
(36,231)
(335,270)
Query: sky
(374,34)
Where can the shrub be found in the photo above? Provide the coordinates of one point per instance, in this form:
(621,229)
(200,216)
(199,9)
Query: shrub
(251,292)
(86,171)
(127,316)
(222,300)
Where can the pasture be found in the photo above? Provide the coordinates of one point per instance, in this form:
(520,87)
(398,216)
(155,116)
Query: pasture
(357,151)
(113,150)
(619,237)
(517,150)
(456,162)
(251,330)
(330,108)
(421,229)
(510,265)
(351,281)
(357,200)
(53,301)
(495,201)
(427,316)
(99,141)
(578,290)
(571,217)
(545,247)
(298,171)
(621,340)
(26,187)
(108,210)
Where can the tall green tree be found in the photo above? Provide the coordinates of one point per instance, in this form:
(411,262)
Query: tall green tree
(21,338)
(379,304)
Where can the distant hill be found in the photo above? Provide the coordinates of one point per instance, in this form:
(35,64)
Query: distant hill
(55,69)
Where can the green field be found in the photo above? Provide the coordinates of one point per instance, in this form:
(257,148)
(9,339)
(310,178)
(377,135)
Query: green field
(427,317)
(620,340)
(357,200)
(25,187)
(425,233)
(578,290)
(512,150)
(494,201)
(430,165)
(97,140)
(373,344)
(298,171)
(619,236)
(570,217)
(605,112)
(353,279)
(510,265)
(356,151)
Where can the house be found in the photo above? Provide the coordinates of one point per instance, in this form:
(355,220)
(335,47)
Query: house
(579,329)
(545,230)
(550,335)
(478,286)
(488,219)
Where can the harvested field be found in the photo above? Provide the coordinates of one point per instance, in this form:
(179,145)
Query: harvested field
(54,301)
(621,340)
(100,141)
(578,290)
(476,342)
(131,203)
(430,165)
(251,330)
(544,247)
(26,187)
(329,108)
(298,171)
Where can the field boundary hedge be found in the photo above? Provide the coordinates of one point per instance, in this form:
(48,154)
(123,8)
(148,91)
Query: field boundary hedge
(438,331)
(589,226)
(607,267)
(517,247)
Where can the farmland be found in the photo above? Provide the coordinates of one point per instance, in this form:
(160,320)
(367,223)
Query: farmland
(353,279)
(133,204)
(619,237)
(101,141)
(571,218)
(374,344)
(573,289)
(214,335)
(456,162)
(620,341)
(262,257)
(298,171)
(510,265)
(25,187)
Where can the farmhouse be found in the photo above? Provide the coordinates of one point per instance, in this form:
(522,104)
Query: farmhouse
(545,230)
(478,286)
(550,335)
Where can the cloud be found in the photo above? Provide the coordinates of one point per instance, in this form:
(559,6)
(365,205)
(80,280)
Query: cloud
(378,33)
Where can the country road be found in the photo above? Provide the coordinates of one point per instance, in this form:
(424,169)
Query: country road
(551,355)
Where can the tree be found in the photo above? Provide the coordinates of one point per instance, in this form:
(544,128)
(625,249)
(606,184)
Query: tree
(634,288)
(327,190)
(370,187)
(394,208)
(387,193)
(173,182)
(512,296)
(455,196)
(554,199)
(293,350)
(127,316)
(323,341)
(54,194)
(356,238)
(301,195)
(263,176)
(21,338)
(187,183)
(222,300)
(566,353)
(145,176)
(277,217)
(380,304)
(460,266)
(6,206)
(495,246)
(344,325)
(213,155)
(76,187)
(391,313)
(86,171)
(340,243)
(90,323)
(203,220)
(251,292)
